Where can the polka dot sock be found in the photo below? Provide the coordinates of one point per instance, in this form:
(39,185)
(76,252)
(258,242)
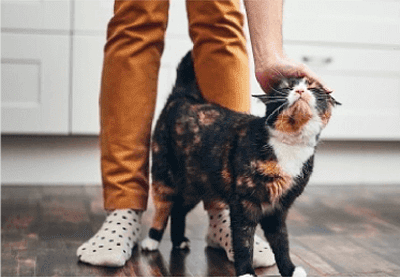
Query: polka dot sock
(112,245)
(219,236)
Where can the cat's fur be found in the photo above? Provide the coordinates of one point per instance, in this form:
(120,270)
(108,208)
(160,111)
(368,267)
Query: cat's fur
(256,165)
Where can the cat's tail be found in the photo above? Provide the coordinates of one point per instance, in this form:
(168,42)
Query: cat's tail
(186,83)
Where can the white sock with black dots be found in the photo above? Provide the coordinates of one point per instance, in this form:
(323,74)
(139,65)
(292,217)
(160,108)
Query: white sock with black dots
(219,236)
(112,245)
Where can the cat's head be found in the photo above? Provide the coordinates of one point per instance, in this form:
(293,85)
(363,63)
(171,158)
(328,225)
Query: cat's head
(295,103)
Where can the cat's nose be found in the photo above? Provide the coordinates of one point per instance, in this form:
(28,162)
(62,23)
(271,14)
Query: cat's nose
(299,91)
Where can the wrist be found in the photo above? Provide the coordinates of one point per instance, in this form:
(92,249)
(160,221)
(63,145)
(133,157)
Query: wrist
(267,60)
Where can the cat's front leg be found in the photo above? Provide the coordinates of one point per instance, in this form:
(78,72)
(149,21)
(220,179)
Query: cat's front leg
(242,241)
(275,231)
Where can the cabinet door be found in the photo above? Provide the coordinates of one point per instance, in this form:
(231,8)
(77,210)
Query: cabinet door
(366,81)
(90,24)
(92,15)
(36,14)
(351,21)
(35,84)
(86,75)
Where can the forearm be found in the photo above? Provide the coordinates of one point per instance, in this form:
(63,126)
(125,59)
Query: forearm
(265,25)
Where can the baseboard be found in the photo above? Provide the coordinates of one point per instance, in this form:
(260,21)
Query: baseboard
(75,160)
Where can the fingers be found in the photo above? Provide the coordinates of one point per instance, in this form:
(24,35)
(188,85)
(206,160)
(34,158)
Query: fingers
(309,74)
(268,79)
(287,68)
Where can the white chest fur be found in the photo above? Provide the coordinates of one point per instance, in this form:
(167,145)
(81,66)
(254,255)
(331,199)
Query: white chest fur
(293,151)
(291,157)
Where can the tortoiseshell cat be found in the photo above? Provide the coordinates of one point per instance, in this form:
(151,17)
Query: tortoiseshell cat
(256,165)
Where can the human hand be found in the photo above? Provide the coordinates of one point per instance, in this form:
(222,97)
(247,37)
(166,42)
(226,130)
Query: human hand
(283,67)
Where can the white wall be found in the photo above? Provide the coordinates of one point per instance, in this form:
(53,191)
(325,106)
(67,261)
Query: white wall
(76,160)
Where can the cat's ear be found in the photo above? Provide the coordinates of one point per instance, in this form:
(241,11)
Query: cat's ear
(333,101)
(262,97)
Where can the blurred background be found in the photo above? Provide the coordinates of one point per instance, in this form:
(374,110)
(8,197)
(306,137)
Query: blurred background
(52,54)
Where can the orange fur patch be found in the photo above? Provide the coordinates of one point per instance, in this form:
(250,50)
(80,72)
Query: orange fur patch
(268,168)
(162,211)
(266,207)
(179,128)
(243,132)
(216,204)
(282,180)
(278,187)
(208,117)
(162,205)
(294,118)
(187,150)
(195,108)
(226,175)
(196,139)
(326,116)
(160,190)
(195,128)
(204,178)
(245,181)
(155,147)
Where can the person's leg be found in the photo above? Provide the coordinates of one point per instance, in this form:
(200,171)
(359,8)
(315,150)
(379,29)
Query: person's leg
(135,41)
(219,52)
(222,72)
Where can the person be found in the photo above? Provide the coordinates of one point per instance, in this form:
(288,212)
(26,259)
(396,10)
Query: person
(135,41)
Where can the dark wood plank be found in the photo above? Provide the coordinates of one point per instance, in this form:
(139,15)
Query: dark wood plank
(334,231)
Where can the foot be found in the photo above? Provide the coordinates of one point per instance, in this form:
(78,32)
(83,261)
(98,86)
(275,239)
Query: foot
(299,272)
(219,236)
(112,245)
(183,245)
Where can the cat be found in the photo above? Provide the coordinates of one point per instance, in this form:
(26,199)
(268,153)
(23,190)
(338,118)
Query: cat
(256,165)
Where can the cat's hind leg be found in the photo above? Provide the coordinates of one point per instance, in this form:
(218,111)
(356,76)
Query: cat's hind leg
(163,202)
(163,187)
(178,221)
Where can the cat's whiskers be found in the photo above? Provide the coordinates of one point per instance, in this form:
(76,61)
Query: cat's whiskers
(275,101)
(266,147)
(277,109)
(278,91)
(274,96)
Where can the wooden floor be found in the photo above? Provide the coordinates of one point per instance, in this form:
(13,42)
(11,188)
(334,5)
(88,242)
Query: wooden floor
(334,231)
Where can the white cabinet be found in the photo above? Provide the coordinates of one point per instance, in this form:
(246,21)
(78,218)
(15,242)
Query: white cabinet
(343,21)
(35,84)
(35,66)
(86,76)
(355,47)
(90,24)
(52,55)
(36,14)
(92,16)
(366,81)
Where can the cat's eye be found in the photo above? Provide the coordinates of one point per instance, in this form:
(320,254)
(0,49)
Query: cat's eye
(317,90)
(284,85)
(310,83)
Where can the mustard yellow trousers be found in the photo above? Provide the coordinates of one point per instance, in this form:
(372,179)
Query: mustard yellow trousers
(135,42)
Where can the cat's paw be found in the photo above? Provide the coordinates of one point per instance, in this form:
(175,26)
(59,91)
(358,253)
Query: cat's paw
(149,244)
(299,272)
(183,245)
(247,275)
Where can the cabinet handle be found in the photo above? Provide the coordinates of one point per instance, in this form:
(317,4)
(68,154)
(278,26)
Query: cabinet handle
(317,61)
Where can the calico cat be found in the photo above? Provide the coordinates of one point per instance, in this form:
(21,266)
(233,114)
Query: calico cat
(256,165)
